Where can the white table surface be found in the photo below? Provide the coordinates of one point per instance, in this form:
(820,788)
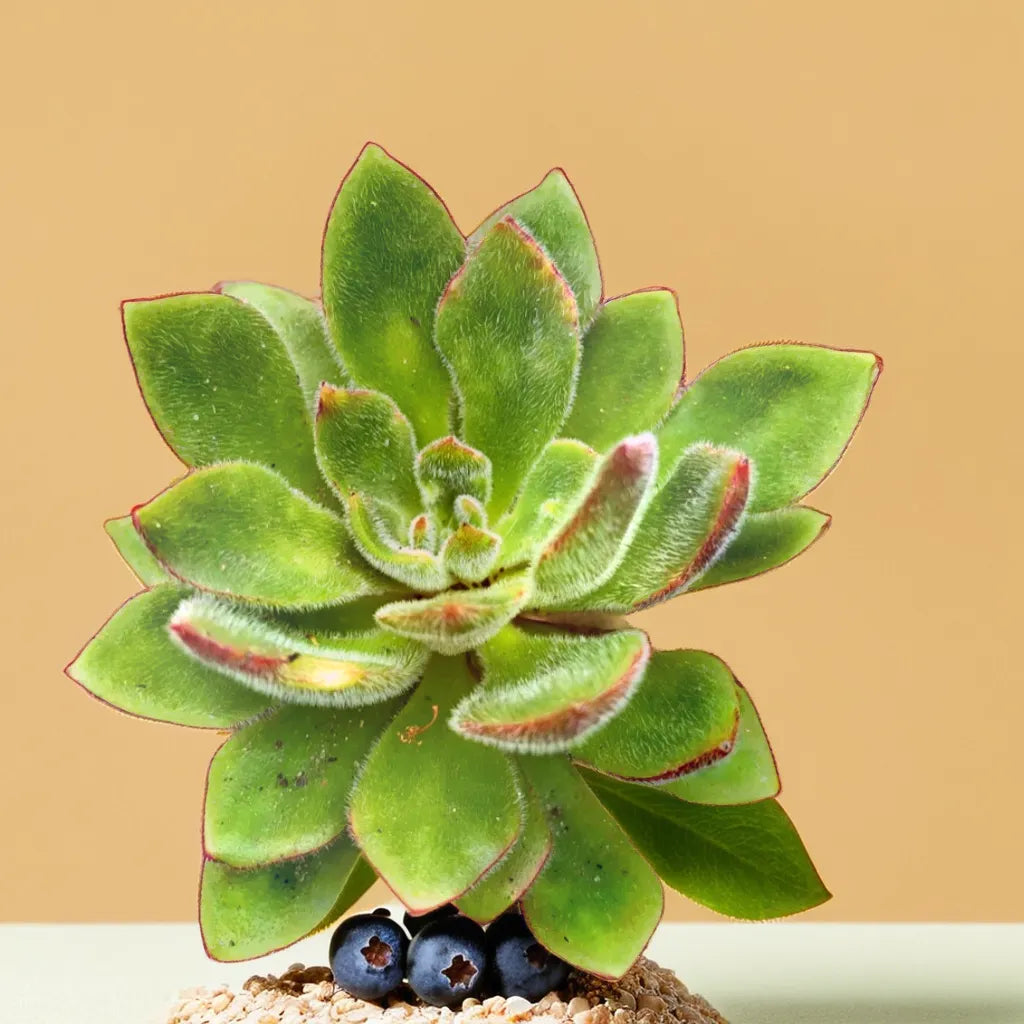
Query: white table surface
(755,974)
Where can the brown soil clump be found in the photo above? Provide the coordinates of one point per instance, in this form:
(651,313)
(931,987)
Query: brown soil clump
(646,994)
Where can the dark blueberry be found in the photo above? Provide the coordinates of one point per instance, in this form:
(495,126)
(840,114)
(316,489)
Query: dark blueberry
(447,961)
(520,965)
(415,923)
(368,955)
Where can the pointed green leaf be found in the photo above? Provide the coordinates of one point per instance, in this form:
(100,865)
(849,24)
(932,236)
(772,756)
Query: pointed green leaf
(507,882)
(687,524)
(330,668)
(469,510)
(631,369)
(545,690)
(446,469)
(220,385)
(560,473)
(746,775)
(359,882)
(279,788)
(132,548)
(132,664)
(683,715)
(430,829)
(423,532)
(389,250)
(588,547)
(790,408)
(596,902)
(239,529)
(364,443)
(459,620)
(469,553)
(765,540)
(300,325)
(245,913)
(507,327)
(552,214)
(745,861)
(415,567)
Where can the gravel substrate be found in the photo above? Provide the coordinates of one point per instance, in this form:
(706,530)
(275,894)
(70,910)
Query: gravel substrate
(647,994)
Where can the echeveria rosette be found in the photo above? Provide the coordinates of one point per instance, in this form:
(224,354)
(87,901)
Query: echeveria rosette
(398,568)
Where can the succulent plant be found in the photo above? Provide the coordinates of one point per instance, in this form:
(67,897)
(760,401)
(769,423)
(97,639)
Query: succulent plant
(415,517)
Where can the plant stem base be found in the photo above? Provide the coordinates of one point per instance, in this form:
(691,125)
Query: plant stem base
(646,994)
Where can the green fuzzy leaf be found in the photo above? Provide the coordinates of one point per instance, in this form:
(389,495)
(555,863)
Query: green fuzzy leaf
(220,385)
(133,664)
(415,567)
(631,369)
(687,524)
(279,788)
(360,880)
(132,548)
(545,690)
(588,547)
(447,469)
(507,882)
(459,620)
(507,327)
(429,828)
(745,861)
(389,250)
(239,529)
(765,540)
(469,553)
(684,715)
(790,408)
(248,913)
(552,214)
(469,510)
(364,443)
(560,473)
(300,325)
(299,666)
(597,902)
(744,776)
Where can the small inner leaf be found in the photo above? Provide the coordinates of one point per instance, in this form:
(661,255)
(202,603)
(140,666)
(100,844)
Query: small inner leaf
(325,667)
(364,443)
(469,553)
(544,690)
(556,479)
(683,715)
(416,568)
(447,468)
(459,620)
(588,547)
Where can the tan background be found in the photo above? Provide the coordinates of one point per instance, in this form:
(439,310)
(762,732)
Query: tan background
(849,174)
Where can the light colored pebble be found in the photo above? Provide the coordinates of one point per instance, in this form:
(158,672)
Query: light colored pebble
(467,1003)
(494,1004)
(647,1001)
(516,1008)
(557,1009)
(578,1004)
(356,1016)
(220,1002)
(622,1016)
